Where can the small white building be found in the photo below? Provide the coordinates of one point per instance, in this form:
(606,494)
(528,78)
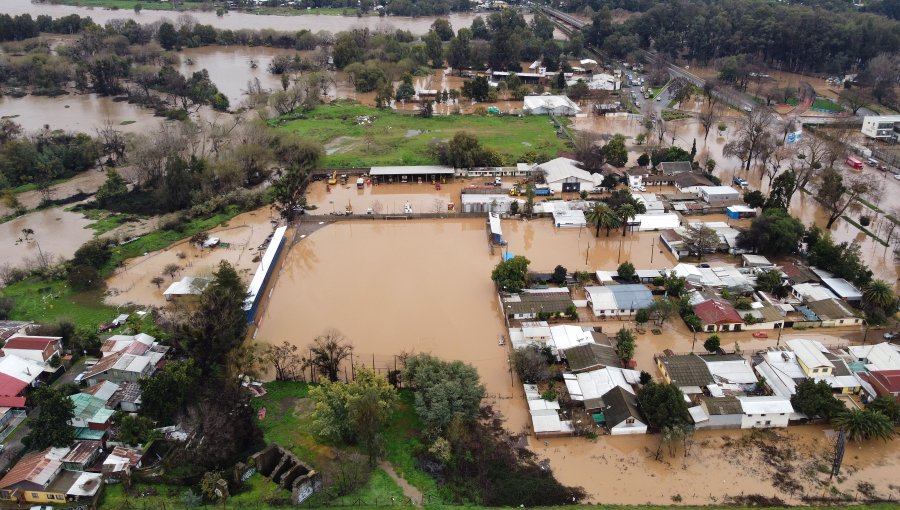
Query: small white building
(881,127)
(716,195)
(765,412)
(565,175)
(618,300)
(480,203)
(654,222)
(189,286)
(550,105)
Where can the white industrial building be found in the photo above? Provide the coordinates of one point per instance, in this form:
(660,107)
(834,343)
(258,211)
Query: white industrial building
(479,203)
(566,175)
(550,105)
(718,194)
(882,127)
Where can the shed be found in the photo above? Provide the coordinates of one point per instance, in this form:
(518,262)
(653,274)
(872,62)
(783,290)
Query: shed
(550,105)
(739,212)
(755,261)
(714,195)
(721,412)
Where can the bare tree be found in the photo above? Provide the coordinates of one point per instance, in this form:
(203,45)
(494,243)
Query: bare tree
(327,352)
(286,360)
(171,270)
(112,143)
(752,130)
(774,160)
(787,127)
(837,194)
(709,115)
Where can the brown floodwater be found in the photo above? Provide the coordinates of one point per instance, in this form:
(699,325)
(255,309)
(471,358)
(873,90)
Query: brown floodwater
(56,232)
(86,182)
(424,286)
(229,67)
(77,112)
(241,236)
(239,20)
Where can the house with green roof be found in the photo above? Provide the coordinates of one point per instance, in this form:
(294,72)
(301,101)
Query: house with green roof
(91,417)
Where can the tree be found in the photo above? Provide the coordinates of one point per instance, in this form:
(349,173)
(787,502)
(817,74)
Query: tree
(855,98)
(625,344)
(751,132)
(615,152)
(51,425)
(879,296)
(443,29)
(327,352)
(167,36)
(782,191)
(700,239)
(775,232)
(138,8)
(663,405)
(95,253)
(287,189)
(135,430)
(84,278)
(887,406)
(444,390)
(627,212)
(531,365)
(864,425)
(836,195)
(754,198)
(285,359)
(641,317)
(814,399)
(219,323)
(559,275)
(169,391)
(767,281)
(602,216)
(356,412)
(171,270)
(712,343)
(626,271)
(709,115)
(476,89)
(661,310)
(459,50)
(113,189)
(511,275)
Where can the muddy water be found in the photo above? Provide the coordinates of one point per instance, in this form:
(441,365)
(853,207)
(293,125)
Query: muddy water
(76,112)
(243,234)
(86,182)
(229,67)
(56,232)
(237,20)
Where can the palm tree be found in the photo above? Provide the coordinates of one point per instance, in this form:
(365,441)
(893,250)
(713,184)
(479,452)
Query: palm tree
(879,294)
(602,216)
(629,211)
(863,425)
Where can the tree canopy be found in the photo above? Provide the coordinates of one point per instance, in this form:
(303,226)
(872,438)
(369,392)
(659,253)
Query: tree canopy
(511,275)
(664,406)
(444,389)
(814,399)
(50,427)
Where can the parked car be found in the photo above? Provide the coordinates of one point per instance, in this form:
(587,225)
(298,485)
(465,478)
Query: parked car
(80,377)
(760,334)
(890,335)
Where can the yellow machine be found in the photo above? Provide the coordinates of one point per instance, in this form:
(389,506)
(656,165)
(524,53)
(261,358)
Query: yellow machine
(333,179)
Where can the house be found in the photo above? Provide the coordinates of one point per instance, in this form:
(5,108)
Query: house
(40,349)
(843,289)
(674,242)
(564,175)
(730,371)
(17,374)
(537,332)
(120,462)
(740,212)
(798,274)
(82,455)
(529,305)
(689,372)
(885,382)
(657,221)
(675,167)
(718,195)
(833,312)
(881,127)
(566,336)
(127,398)
(812,292)
(11,328)
(620,412)
(122,367)
(545,420)
(550,105)
(618,300)
(590,356)
(811,358)
(749,260)
(690,182)
(485,203)
(130,344)
(877,357)
(765,412)
(764,317)
(30,479)
(781,371)
(589,387)
(719,413)
(91,418)
(189,287)
(718,315)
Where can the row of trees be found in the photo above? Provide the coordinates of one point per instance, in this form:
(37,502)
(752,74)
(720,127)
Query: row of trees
(876,421)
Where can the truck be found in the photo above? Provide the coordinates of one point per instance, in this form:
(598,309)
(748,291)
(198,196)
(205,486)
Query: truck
(360,183)
(542,191)
(741,182)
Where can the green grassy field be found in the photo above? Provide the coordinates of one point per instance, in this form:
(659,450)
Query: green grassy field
(48,301)
(823,103)
(167,6)
(401,139)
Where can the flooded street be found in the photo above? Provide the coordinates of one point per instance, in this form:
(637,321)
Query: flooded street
(424,286)
(57,233)
(240,20)
(239,237)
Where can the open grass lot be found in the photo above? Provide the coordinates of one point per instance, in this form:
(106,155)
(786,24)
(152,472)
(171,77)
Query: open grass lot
(48,301)
(825,104)
(167,6)
(120,4)
(402,139)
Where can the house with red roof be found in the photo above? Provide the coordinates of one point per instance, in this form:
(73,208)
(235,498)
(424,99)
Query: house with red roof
(885,382)
(36,348)
(718,315)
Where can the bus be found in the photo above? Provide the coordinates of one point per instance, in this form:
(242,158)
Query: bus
(854,163)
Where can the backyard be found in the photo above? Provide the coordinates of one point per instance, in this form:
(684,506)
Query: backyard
(355,135)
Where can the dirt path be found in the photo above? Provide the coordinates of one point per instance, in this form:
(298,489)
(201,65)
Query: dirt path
(414,494)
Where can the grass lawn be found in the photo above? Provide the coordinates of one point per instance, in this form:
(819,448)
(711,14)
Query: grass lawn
(48,301)
(401,139)
(104,221)
(823,103)
(119,4)
(167,6)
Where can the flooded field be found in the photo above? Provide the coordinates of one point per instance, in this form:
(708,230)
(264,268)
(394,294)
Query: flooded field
(239,20)
(241,236)
(86,182)
(77,112)
(57,233)
(424,286)
(229,67)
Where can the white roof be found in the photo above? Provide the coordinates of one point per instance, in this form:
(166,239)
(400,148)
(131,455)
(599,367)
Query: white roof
(494,219)
(766,405)
(548,421)
(842,288)
(550,103)
(657,221)
(537,404)
(810,353)
(756,259)
(532,392)
(569,219)
(813,292)
(268,258)
(718,190)
(647,273)
(605,276)
(117,343)
(740,208)
(840,381)
(566,336)
(535,329)
(602,298)
(737,371)
(883,356)
(410,170)
(22,369)
(596,383)
(560,169)
(117,463)
(778,380)
(586,61)
(86,485)
(188,285)
(106,390)
(698,414)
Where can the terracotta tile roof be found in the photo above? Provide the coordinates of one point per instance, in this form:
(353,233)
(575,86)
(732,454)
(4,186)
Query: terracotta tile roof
(717,311)
(30,469)
(11,386)
(30,343)
(887,380)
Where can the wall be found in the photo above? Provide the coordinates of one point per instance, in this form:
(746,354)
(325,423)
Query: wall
(778,420)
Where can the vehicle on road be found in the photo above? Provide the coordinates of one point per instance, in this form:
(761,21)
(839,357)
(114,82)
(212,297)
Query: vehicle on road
(872,162)
(80,377)
(890,335)
(748,109)
(760,334)
(854,163)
